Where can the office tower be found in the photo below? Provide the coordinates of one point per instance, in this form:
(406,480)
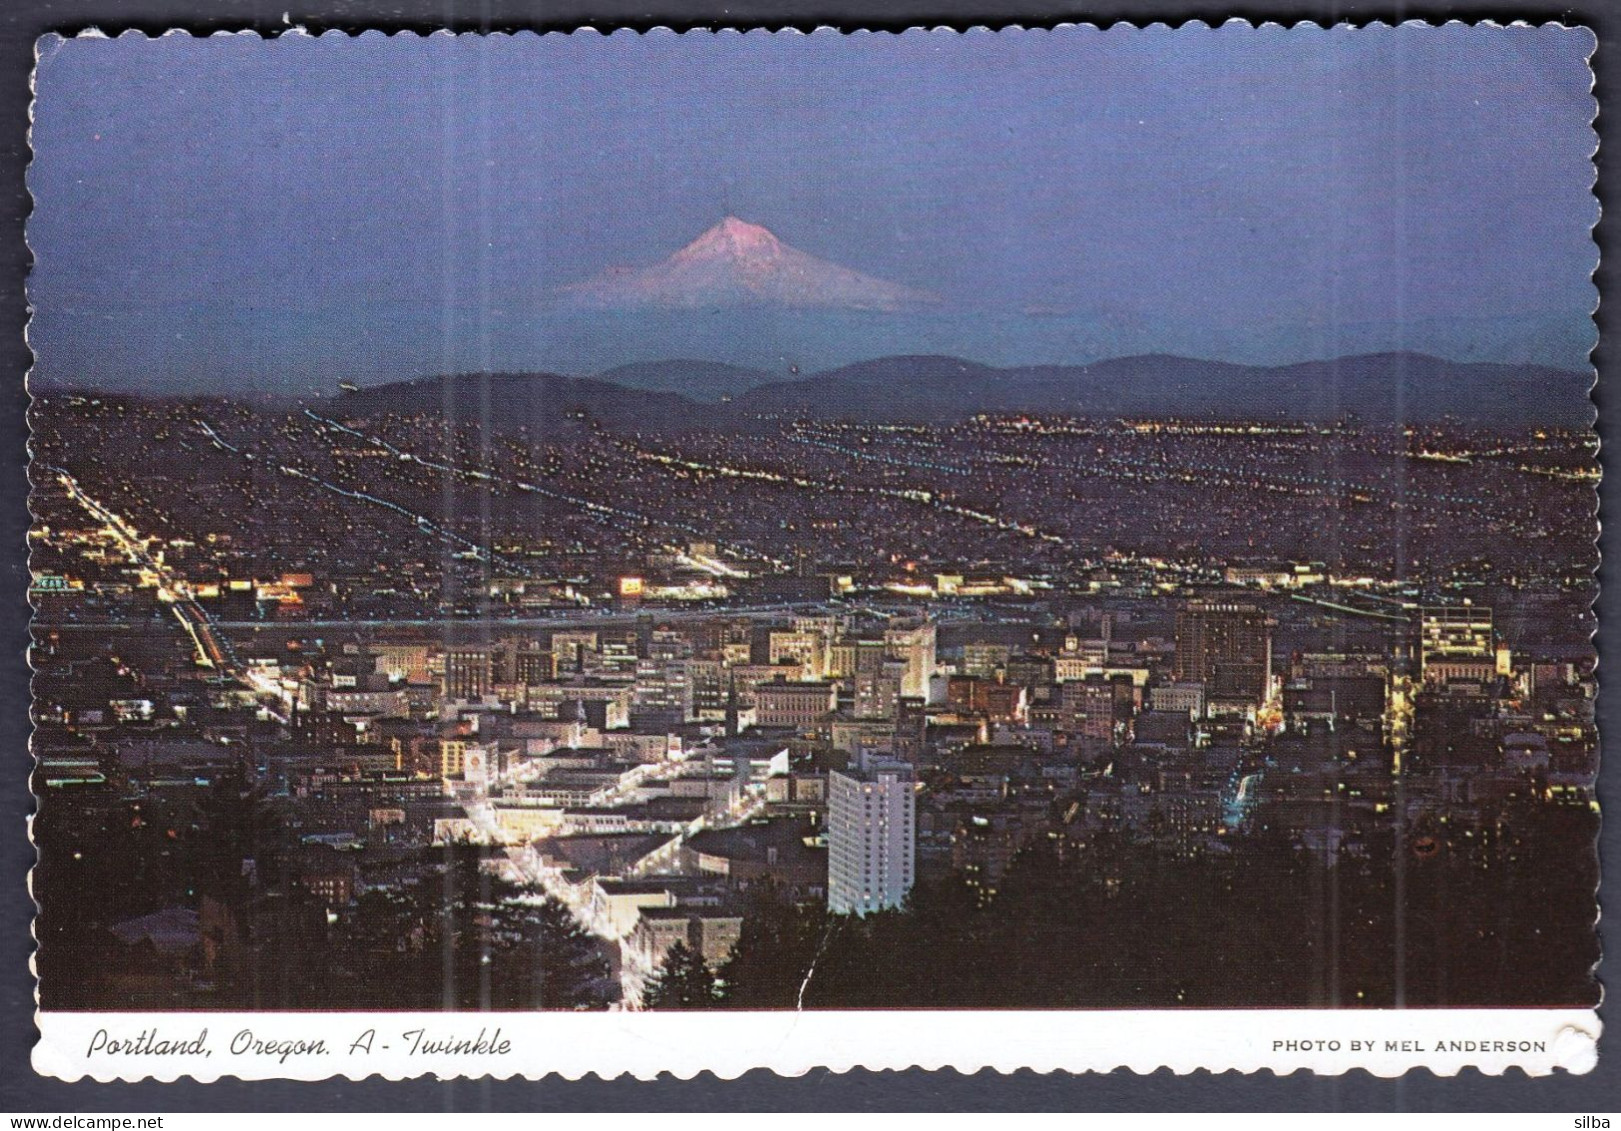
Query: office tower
(871,836)
(807,649)
(1226,646)
(798,703)
(572,649)
(879,688)
(1456,643)
(915,648)
(531,666)
(467,673)
(662,687)
(985,660)
(1099,707)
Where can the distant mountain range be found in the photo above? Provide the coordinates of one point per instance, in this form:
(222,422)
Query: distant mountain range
(1389,387)
(736,292)
(545,400)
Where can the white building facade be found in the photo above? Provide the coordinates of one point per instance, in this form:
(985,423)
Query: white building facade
(871,837)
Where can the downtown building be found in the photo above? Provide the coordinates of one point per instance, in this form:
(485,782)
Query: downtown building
(1456,644)
(871,836)
(1226,647)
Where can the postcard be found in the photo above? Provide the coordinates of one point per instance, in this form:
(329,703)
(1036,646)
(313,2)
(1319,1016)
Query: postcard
(636,553)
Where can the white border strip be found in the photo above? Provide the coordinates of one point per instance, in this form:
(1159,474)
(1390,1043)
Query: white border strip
(315,1046)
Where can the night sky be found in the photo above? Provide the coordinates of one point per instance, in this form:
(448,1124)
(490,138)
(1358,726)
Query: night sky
(231,212)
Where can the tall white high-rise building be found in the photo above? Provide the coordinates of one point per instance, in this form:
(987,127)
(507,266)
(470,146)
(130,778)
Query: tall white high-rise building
(871,836)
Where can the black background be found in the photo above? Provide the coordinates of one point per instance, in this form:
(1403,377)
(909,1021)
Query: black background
(21,1091)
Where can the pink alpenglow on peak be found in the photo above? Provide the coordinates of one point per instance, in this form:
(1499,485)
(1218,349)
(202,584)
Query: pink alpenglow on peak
(733,237)
(736,263)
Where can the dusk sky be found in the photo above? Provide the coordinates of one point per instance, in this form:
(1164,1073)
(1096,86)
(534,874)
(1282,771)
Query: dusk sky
(286,214)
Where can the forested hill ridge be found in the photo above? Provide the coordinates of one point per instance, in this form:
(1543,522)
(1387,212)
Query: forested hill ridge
(1387,388)
(1374,387)
(540,399)
(1391,387)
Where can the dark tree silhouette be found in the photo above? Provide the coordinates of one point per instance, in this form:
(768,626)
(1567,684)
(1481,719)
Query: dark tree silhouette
(468,940)
(684,981)
(1502,916)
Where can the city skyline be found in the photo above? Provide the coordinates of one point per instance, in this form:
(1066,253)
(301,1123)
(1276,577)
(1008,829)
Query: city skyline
(725,698)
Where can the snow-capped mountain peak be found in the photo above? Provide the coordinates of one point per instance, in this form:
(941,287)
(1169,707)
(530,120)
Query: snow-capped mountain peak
(736,263)
(733,237)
